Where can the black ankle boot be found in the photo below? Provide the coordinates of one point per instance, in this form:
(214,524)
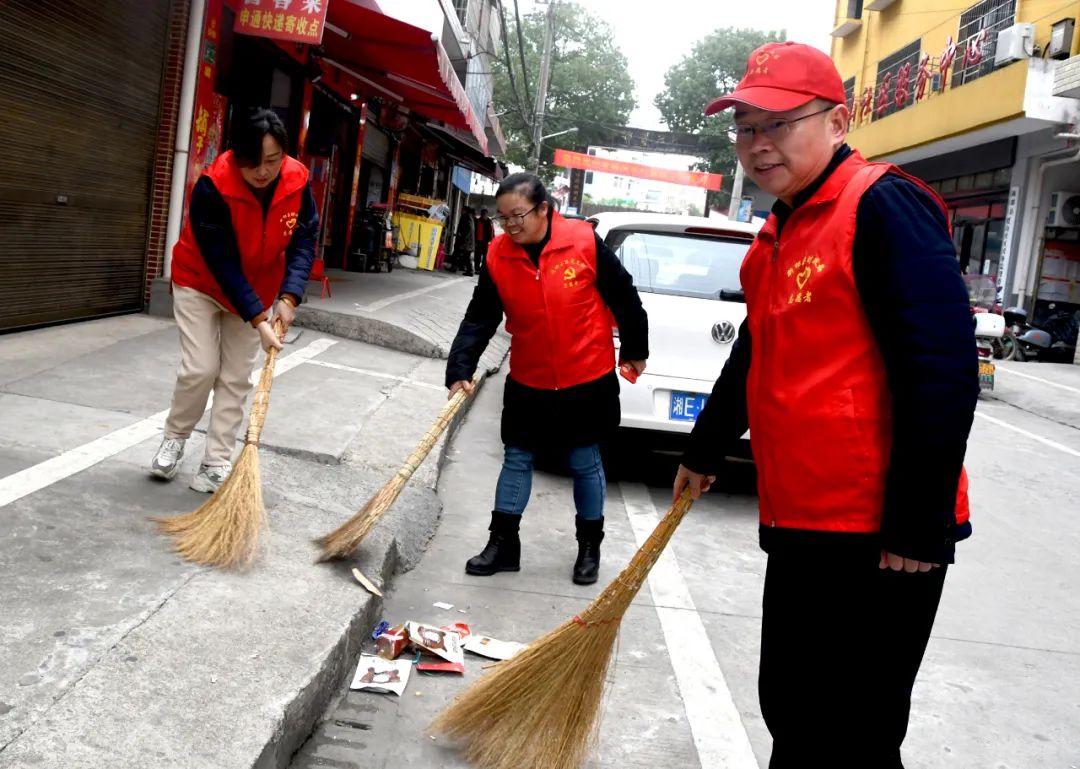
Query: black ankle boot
(590,533)
(503,551)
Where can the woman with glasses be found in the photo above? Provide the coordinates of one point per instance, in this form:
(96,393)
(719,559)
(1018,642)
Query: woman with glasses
(559,287)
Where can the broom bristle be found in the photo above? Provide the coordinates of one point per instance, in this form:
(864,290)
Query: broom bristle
(225,530)
(343,541)
(540,709)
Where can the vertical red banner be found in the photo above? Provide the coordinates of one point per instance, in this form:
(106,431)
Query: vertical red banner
(360,129)
(207,116)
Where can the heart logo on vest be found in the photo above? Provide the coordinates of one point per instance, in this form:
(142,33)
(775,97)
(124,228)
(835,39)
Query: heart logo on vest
(802,278)
(290,221)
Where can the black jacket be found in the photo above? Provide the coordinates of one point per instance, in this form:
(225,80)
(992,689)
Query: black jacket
(915,300)
(574,416)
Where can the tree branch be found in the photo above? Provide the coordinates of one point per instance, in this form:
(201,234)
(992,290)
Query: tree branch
(521,49)
(518,105)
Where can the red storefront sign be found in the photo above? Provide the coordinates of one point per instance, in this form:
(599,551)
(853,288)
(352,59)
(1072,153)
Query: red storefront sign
(568,159)
(924,77)
(299,21)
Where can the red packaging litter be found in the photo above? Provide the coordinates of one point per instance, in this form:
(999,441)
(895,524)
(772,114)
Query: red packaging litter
(391,643)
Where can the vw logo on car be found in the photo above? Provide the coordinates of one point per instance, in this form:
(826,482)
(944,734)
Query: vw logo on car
(723,332)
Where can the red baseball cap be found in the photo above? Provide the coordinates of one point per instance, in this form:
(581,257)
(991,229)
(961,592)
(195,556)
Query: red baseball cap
(783,76)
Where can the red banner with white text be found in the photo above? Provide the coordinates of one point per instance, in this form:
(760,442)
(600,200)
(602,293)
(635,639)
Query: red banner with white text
(299,21)
(568,159)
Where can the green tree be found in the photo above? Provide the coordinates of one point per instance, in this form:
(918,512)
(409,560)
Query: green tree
(590,87)
(714,67)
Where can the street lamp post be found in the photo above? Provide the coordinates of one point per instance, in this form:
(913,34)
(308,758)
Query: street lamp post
(540,143)
(542,85)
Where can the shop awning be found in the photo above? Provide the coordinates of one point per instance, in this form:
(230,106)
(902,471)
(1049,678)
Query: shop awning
(404,64)
(462,152)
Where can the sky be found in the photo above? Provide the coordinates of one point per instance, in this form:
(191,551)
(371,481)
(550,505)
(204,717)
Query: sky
(662,33)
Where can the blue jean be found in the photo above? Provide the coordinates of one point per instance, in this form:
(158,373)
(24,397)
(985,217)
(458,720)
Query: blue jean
(515,481)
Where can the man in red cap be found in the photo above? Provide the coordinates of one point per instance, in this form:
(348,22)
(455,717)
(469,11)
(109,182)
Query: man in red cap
(856,373)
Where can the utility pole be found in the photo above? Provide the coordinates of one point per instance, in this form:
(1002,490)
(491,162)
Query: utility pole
(736,192)
(542,86)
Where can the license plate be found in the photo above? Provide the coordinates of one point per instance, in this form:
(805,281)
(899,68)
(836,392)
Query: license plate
(986,375)
(685,407)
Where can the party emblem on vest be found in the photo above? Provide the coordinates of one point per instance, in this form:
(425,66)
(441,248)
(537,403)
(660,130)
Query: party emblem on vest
(570,269)
(289,220)
(801,274)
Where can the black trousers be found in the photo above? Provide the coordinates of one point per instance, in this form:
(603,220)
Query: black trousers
(841,643)
(480,254)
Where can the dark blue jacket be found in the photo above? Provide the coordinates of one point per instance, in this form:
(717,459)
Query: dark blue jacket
(915,300)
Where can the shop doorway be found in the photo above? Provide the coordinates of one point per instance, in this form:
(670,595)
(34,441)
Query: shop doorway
(331,156)
(977,233)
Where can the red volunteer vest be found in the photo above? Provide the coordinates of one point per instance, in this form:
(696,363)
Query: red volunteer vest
(261,242)
(559,325)
(819,402)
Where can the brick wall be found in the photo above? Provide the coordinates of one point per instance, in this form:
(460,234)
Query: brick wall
(166,139)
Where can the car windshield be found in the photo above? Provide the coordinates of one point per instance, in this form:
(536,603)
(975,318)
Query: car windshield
(680,263)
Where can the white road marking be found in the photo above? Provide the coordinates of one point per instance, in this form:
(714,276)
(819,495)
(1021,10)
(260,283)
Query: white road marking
(44,474)
(1012,371)
(378,374)
(719,734)
(1033,436)
(408,295)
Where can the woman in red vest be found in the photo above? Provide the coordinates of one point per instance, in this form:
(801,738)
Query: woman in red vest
(558,285)
(243,257)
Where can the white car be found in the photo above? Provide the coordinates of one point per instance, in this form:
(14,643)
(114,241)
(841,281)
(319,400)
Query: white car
(686,269)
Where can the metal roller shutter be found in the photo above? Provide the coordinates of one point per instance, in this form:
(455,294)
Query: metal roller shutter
(376,146)
(80,86)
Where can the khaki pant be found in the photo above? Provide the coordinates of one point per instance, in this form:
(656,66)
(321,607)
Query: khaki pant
(217,352)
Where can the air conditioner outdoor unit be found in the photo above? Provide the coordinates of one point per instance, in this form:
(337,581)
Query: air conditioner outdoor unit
(1015,43)
(1064,209)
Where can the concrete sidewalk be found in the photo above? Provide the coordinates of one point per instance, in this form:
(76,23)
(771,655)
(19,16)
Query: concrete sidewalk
(119,654)
(411,310)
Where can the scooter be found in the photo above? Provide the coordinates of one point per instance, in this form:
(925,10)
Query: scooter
(1052,339)
(989,328)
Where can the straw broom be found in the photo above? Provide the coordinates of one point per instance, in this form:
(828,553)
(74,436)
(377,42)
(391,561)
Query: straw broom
(541,708)
(225,530)
(343,541)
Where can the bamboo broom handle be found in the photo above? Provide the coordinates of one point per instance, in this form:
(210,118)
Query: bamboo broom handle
(441,422)
(610,605)
(261,402)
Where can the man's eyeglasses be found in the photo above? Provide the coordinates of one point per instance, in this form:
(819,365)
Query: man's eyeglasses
(514,220)
(772,129)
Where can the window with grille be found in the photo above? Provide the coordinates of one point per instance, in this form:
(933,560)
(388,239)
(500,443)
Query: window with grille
(849,99)
(897,75)
(462,8)
(976,43)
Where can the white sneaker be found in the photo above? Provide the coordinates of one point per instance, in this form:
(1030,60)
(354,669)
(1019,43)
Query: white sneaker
(210,478)
(167,459)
